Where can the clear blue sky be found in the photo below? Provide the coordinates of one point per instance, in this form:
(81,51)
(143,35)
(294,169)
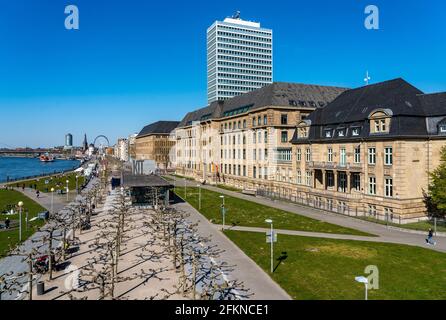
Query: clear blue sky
(134,62)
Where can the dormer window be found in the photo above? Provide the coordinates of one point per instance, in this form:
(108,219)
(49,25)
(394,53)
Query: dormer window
(356,131)
(380,121)
(341,132)
(328,133)
(442,128)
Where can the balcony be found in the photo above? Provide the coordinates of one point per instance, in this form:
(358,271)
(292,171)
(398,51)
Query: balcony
(335,166)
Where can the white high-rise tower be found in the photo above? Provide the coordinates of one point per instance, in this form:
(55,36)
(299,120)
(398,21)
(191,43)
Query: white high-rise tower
(239,58)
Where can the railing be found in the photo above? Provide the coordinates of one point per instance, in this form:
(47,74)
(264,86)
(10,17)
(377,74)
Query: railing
(335,165)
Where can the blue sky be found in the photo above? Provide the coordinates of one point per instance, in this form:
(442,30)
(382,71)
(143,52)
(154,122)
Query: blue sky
(134,62)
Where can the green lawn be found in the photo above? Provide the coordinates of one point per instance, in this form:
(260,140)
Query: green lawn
(11,237)
(420,225)
(58,182)
(225,187)
(324,269)
(247,213)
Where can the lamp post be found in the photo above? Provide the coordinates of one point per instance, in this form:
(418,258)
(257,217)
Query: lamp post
(67,189)
(364,280)
(52,201)
(272,243)
(223,210)
(20,220)
(199,197)
(185,189)
(77,187)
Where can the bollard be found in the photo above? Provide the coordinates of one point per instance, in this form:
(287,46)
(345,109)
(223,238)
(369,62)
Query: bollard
(40,288)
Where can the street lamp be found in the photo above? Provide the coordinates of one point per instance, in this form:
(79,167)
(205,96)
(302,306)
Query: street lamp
(77,187)
(20,220)
(270,221)
(185,189)
(67,188)
(223,210)
(52,200)
(199,197)
(364,280)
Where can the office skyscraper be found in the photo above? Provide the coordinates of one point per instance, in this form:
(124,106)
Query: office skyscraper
(239,58)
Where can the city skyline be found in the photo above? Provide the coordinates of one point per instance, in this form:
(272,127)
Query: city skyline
(110,78)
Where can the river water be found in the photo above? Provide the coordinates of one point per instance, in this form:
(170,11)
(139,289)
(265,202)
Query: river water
(17,168)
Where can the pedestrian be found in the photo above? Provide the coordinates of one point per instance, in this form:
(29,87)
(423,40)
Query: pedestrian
(7,222)
(37,193)
(430,237)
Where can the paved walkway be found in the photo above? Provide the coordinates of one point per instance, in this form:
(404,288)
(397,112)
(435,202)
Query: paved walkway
(246,270)
(383,233)
(15,264)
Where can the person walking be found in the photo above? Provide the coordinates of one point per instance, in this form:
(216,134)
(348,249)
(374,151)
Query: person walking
(7,222)
(430,237)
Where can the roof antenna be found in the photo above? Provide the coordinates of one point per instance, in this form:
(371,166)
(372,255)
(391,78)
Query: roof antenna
(367,78)
(236,15)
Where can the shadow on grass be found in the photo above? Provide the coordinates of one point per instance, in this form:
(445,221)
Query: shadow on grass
(282,258)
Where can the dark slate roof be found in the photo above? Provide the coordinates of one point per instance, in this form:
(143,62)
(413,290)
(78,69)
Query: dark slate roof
(160,127)
(434,104)
(287,95)
(132,180)
(279,94)
(411,110)
(210,112)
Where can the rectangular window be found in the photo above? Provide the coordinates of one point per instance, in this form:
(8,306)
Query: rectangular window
(330,179)
(342,182)
(254,172)
(265,120)
(330,155)
(244,171)
(388,156)
(356,181)
(284,136)
(343,157)
(299,177)
(372,185)
(298,155)
(308,178)
(266,154)
(254,137)
(254,154)
(388,186)
(308,155)
(244,154)
(284,119)
(372,155)
(265,138)
(442,128)
(355,132)
(357,157)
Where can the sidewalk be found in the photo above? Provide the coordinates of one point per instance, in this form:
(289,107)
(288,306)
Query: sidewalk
(246,270)
(16,264)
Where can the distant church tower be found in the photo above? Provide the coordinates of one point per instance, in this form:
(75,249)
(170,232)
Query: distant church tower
(85,144)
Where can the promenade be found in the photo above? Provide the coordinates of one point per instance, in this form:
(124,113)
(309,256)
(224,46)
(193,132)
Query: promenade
(15,264)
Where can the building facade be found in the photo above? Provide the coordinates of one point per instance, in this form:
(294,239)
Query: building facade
(364,152)
(121,150)
(245,141)
(239,58)
(156,142)
(369,152)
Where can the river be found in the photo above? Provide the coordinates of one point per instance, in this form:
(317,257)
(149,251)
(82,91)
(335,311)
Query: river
(18,168)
